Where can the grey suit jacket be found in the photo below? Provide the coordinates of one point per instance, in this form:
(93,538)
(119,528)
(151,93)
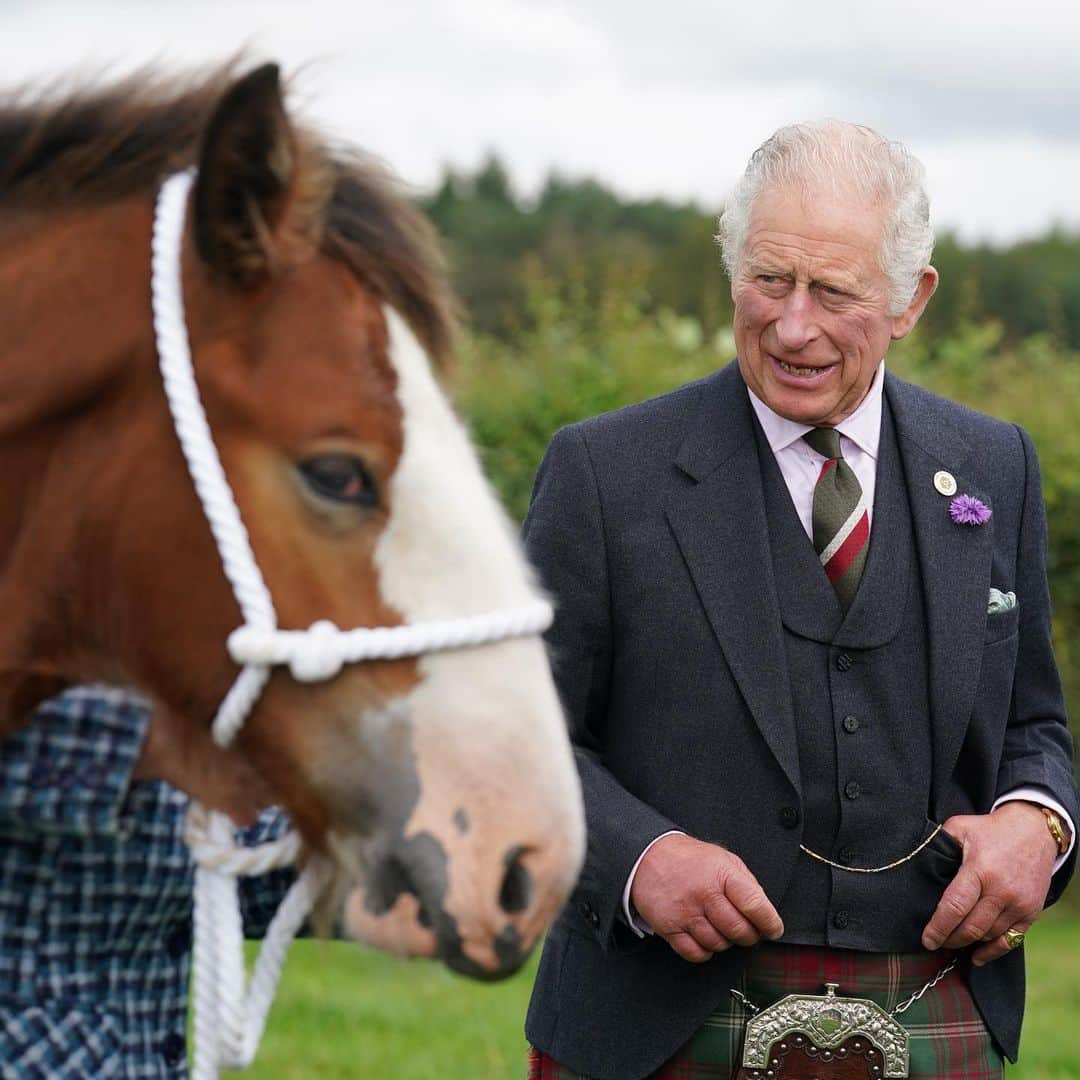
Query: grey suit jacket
(648,527)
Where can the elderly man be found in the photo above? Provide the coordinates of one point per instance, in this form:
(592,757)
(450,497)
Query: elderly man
(804,644)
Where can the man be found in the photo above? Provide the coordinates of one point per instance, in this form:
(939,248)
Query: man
(803,621)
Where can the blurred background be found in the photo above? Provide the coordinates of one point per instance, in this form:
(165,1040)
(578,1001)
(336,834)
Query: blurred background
(574,157)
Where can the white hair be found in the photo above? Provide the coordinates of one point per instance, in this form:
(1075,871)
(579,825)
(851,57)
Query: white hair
(843,159)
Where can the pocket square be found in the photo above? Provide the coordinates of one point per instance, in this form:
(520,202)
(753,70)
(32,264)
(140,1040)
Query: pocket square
(1000,601)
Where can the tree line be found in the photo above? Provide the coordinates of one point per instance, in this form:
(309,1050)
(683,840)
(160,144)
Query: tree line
(662,256)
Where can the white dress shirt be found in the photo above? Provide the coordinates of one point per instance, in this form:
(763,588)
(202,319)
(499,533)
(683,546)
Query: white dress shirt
(800,465)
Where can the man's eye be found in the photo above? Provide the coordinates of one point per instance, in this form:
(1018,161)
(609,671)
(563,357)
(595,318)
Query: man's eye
(772,283)
(341,478)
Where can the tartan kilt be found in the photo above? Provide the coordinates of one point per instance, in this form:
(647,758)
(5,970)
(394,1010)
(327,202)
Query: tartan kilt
(949,1040)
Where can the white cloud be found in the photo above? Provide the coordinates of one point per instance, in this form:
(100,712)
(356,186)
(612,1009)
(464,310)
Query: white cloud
(654,99)
(1000,189)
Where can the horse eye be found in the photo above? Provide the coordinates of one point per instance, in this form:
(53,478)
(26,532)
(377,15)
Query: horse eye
(340,477)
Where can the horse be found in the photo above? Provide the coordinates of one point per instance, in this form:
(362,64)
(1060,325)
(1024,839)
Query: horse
(440,786)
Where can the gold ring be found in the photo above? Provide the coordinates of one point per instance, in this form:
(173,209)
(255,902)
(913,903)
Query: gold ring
(1015,938)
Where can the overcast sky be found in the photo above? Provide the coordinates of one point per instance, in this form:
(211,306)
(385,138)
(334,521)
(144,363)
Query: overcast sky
(667,97)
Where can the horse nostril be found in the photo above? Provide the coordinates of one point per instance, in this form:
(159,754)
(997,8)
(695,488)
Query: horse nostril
(391,878)
(517,887)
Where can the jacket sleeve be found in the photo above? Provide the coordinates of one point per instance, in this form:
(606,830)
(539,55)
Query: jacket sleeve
(564,537)
(67,771)
(1038,746)
(261,895)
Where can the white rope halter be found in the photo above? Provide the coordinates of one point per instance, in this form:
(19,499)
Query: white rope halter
(228,1024)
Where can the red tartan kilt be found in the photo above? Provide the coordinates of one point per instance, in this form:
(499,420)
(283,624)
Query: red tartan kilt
(949,1040)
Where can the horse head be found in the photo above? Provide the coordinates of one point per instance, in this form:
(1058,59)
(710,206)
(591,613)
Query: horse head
(442,785)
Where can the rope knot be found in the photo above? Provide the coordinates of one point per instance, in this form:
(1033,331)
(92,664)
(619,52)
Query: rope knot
(316,656)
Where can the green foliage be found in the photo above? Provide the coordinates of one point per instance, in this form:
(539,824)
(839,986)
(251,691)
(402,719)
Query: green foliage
(575,359)
(575,231)
(343,1011)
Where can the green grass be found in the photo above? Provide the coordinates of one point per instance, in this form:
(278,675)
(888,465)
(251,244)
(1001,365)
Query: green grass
(343,1011)
(1050,1049)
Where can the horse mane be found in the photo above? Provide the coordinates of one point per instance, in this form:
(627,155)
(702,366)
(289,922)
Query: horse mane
(84,146)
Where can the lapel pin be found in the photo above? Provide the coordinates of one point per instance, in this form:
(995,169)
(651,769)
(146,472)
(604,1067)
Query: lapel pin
(945,482)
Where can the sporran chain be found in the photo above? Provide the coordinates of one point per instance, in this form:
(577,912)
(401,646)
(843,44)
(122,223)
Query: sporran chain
(903,1007)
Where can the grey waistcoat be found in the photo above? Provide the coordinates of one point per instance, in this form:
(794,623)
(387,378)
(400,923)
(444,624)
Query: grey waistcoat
(862,722)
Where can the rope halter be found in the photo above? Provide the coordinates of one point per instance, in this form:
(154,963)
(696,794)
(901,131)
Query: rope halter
(227,1025)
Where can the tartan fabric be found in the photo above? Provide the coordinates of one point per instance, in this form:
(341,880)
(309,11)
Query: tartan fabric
(96,897)
(949,1040)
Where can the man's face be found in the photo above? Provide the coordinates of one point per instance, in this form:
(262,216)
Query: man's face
(811,304)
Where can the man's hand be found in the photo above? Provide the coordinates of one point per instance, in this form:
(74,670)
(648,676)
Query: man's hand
(701,899)
(1002,883)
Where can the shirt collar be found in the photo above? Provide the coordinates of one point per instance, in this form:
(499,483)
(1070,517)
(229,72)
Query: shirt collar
(862,427)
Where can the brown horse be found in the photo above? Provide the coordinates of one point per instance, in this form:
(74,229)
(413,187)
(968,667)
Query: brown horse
(443,786)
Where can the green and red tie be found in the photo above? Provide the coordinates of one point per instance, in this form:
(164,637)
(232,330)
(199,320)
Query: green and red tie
(841,523)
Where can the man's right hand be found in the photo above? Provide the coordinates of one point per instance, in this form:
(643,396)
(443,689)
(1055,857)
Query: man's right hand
(701,899)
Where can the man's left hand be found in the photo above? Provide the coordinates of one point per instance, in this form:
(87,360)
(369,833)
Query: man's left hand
(1002,882)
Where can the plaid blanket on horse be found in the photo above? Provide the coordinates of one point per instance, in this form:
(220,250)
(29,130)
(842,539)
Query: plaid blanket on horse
(96,898)
(949,1040)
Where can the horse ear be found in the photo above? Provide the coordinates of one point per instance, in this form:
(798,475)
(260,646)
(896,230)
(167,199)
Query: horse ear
(247,173)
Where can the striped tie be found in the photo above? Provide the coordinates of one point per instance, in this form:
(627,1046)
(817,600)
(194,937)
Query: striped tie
(841,523)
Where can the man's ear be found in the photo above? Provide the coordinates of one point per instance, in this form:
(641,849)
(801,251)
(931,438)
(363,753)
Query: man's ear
(904,323)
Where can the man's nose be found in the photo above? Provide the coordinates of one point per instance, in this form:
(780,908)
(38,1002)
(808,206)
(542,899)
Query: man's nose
(796,327)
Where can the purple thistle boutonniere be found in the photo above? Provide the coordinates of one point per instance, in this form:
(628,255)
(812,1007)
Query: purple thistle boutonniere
(967,510)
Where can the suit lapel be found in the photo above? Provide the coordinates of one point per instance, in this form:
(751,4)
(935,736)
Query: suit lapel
(955,563)
(720,527)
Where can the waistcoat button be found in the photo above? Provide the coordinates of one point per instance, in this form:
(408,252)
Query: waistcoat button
(851,724)
(843,662)
(852,789)
(841,919)
(789,817)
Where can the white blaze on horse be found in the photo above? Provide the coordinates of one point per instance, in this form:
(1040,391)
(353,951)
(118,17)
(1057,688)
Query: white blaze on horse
(441,785)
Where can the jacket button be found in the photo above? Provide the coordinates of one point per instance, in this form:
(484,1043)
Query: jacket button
(852,789)
(841,919)
(850,723)
(789,817)
(843,662)
(589,912)
(172,1048)
(846,855)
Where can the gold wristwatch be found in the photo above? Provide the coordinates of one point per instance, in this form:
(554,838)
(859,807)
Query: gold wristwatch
(1057,830)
